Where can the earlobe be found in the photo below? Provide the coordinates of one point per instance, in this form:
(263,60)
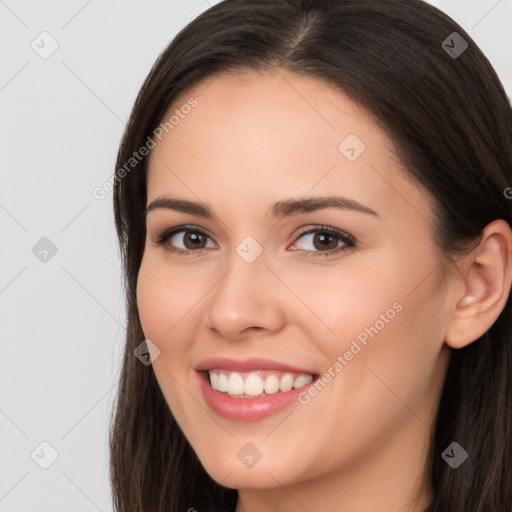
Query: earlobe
(487,285)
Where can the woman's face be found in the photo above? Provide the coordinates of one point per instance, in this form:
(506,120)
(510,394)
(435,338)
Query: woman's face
(347,295)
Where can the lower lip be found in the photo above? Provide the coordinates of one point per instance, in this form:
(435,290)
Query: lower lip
(247,409)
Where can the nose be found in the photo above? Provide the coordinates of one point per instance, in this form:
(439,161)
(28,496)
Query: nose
(247,300)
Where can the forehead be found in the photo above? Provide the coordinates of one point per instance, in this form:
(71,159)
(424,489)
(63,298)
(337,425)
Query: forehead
(272,134)
(243,110)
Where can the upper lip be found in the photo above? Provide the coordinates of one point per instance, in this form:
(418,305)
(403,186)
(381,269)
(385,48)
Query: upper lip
(249,365)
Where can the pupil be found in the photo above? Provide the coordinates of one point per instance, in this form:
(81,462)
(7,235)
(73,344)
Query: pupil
(323,238)
(193,237)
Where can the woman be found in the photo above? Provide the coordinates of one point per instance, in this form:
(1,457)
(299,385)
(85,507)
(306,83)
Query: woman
(315,232)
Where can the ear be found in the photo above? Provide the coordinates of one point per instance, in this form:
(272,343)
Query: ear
(487,277)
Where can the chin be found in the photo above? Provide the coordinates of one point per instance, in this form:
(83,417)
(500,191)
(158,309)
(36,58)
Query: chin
(229,471)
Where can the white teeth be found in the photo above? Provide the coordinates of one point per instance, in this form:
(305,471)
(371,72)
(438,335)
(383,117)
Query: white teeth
(302,380)
(271,384)
(254,385)
(223,383)
(214,379)
(286,383)
(235,384)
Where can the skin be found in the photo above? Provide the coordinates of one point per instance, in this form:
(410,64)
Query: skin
(360,444)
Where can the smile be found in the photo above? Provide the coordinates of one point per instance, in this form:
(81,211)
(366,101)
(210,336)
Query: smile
(252,389)
(258,383)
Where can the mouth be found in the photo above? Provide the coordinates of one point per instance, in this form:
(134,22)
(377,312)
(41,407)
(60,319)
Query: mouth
(251,389)
(255,384)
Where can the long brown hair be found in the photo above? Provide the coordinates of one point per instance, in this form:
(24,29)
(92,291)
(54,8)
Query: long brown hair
(451,124)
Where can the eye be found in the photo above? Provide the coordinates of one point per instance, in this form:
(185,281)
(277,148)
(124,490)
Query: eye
(186,240)
(190,240)
(324,240)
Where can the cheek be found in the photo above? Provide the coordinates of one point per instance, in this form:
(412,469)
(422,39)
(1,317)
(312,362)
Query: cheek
(151,301)
(166,299)
(381,317)
(165,303)
(346,305)
(380,380)
(396,369)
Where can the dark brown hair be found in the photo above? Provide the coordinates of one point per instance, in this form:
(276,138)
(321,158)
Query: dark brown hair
(451,125)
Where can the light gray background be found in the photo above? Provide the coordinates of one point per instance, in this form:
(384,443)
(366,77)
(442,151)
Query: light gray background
(63,319)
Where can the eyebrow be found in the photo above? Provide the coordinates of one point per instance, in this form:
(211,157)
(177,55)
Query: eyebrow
(278,210)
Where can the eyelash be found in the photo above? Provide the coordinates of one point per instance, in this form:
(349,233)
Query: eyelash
(347,239)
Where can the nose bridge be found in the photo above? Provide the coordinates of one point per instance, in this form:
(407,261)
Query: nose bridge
(245,296)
